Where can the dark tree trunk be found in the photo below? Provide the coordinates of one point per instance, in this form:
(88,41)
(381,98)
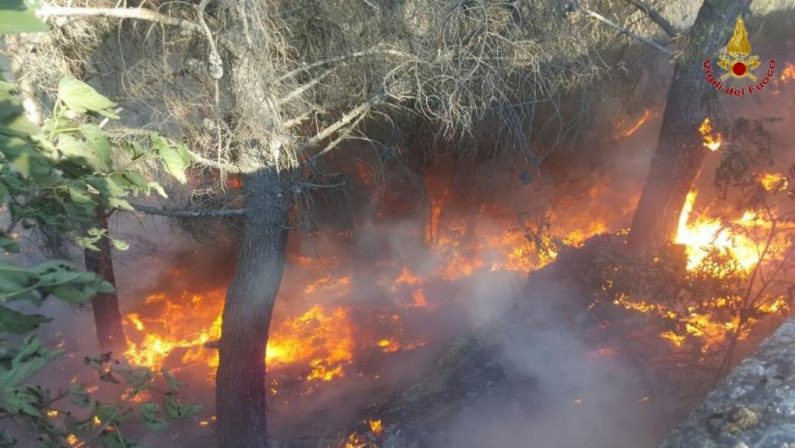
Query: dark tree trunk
(107,317)
(680,150)
(240,386)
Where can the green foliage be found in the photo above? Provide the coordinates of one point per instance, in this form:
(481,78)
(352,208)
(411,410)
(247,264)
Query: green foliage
(16,16)
(61,177)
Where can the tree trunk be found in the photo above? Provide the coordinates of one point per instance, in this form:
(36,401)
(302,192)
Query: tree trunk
(680,150)
(240,384)
(107,317)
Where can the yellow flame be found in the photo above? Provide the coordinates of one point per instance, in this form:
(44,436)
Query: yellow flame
(773,182)
(705,233)
(375,427)
(711,142)
(788,74)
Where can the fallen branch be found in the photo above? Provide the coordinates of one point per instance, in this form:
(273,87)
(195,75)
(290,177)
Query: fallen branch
(189,212)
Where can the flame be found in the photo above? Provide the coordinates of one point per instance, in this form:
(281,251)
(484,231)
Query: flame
(626,131)
(788,74)
(711,142)
(706,233)
(72,439)
(375,427)
(319,339)
(773,182)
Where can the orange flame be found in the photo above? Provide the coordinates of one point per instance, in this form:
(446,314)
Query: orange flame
(788,74)
(711,142)
(773,182)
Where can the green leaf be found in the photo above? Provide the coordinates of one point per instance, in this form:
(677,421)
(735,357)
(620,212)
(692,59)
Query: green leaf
(80,152)
(158,188)
(17,17)
(79,396)
(9,244)
(120,204)
(152,417)
(24,400)
(29,359)
(173,383)
(74,425)
(175,409)
(115,439)
(120,244)
(81,97)
(176,158)
(97,139)
(18,323)
(112,413)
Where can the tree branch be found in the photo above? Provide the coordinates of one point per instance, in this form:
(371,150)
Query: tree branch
(336,59)
(352,115)
(189,212)
(655,17)
(119,13)
(622,30)
(201,160)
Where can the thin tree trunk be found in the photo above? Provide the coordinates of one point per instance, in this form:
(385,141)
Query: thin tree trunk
(240,385)
(107,317)
(680,150)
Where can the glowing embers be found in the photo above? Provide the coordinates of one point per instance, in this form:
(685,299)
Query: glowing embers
(366,439)
(788,73)
(624,129)
(710,141)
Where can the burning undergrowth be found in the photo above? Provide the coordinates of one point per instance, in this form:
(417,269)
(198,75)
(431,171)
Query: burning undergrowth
(362,313)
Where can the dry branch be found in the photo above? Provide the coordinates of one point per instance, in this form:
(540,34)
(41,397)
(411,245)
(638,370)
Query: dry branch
(189,212)
(604,20)
(655,17)
(118,13)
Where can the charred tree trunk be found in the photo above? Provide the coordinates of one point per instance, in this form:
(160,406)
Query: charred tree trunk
(240,386)
(680,150)
(107,317)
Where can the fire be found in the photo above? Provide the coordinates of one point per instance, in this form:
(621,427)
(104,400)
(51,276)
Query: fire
(319,339)
(375,427)
(788,74)
(706,233)
(773,182)
(626,131)
(711,141)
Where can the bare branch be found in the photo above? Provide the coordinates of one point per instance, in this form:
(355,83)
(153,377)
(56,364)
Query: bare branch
(119,13)
(334,60)
(622,30)
(304,87)
(201,160)
(655,17)
(352,115)
(189,212)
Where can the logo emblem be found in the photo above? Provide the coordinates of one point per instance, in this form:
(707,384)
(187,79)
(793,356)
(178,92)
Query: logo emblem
(738,64)
(737,60)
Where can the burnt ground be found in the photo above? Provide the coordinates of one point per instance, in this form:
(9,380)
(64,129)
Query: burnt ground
(553,372)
